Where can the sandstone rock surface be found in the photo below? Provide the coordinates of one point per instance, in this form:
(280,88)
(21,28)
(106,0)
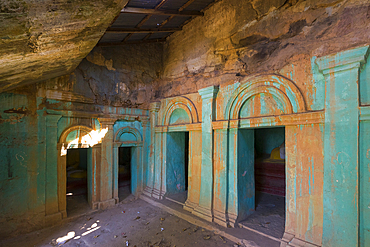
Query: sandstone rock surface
(40,40)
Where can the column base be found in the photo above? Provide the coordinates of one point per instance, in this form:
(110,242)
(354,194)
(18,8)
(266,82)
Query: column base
(203,213)
(106,204)
(232,220)
(148,191)
(157,194)
(290,240)
(116,199)
(224,219)
(53,219)
(64,214)
(189,206)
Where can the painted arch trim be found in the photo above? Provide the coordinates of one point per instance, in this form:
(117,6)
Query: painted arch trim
(66,132)
(278,86)
(183,103)
(128,130)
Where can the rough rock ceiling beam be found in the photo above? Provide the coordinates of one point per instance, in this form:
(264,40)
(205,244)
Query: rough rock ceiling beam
(132,10)
(139,30)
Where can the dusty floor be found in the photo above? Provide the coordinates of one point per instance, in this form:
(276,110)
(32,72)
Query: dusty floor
(269,216)
(130,223)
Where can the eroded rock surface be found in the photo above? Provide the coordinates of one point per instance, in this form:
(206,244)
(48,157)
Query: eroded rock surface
(40,40)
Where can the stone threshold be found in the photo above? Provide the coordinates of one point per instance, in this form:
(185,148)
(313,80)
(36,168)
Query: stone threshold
(243,236)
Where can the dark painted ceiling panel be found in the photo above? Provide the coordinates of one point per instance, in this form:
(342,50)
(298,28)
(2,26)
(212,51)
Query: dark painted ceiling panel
(177,21)
(155,21)
(148,4)
(158,35)
(140,18)
(128,20)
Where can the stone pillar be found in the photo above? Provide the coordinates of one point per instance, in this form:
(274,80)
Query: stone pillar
(220,172)
(115,170)
(144,152)
(160,151)
(232,177)
(94,176)
(153,110)
(204,210)
(194,175)
(51,192)
(341,180)
(62,181)
(106,165)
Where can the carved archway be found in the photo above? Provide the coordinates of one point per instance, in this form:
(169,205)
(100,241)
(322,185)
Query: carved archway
(130,138)
(120,135)
(79,128)
(279,87)
(63,142)
(180,103)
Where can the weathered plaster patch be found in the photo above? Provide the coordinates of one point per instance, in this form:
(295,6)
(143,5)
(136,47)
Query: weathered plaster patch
(98,59)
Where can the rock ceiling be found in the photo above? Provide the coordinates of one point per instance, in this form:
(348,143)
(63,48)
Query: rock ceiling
(43,41)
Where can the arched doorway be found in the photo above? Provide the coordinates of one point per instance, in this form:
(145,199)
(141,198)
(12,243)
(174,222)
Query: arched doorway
(128,163)
(75,175)
(179,139)
(259,114)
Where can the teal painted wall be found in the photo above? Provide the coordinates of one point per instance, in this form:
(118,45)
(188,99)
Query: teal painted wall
(175,162)
(341,146)
(364,205)
(245,173)
(22,164)
(364,84)
(28,155)
(179,116)
(138,168)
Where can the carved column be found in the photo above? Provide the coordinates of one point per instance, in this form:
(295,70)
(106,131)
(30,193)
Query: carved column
(153,111)
(220,190)
(144,166)
(106,165)
(94,176)
(62,181)
(115,170)
(204,210)
(341,180)
(51,192)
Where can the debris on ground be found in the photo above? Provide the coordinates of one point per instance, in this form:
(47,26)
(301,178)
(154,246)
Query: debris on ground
(111,227)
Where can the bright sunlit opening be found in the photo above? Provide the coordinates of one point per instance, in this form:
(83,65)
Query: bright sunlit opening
(88,140)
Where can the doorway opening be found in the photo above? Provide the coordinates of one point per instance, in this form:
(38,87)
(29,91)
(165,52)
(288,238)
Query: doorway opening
(177,172)
(269,181)
(76,168)
(124,172)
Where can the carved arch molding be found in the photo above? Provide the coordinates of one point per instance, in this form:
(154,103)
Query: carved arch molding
(281,88)
(120,138)
(183,103)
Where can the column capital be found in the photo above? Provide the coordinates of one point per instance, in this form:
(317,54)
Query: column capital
(344,60)
(145,122)
(107,121)
(154,106)
(52,120)
(208,92)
